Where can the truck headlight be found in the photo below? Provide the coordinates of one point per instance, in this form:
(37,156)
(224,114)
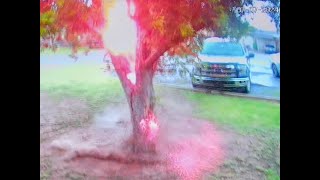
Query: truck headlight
(230,66)
(242,70)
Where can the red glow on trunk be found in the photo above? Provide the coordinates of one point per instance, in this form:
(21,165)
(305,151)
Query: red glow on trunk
(149,126)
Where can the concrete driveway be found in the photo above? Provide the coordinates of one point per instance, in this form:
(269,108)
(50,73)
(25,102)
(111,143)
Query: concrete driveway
(261,71)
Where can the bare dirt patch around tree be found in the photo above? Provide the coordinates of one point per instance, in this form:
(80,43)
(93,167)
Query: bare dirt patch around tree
(76,144)
(101,150)
(57,117)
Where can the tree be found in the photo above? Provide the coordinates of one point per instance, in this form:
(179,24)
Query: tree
(161,26)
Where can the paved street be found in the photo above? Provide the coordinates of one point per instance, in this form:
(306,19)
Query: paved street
(263,83)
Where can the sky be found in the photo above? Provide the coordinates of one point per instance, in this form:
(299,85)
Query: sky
(260,20)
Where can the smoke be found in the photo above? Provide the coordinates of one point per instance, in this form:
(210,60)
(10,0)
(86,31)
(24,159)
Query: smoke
(112,116)
(192,146)
(172,106)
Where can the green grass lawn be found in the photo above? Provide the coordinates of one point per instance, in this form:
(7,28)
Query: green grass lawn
(80,81)
(58,51)
(92,85)
(61,50)
(240,113)
(272,175)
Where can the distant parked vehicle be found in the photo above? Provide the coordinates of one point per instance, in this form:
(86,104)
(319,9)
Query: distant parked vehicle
(275,64)
(167,66)
(270,49)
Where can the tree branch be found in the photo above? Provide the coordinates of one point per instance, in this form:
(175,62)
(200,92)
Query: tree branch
(122,68)
(153,57)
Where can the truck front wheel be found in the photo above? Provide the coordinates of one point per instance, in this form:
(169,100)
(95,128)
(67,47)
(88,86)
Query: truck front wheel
(247,88)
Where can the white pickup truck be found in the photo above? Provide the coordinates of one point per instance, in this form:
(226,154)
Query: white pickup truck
(223,64)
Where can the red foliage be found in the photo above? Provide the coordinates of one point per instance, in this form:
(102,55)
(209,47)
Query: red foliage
(73,16)
(45,5)
(95,12)
(166,25)
(77,19)
(161,24)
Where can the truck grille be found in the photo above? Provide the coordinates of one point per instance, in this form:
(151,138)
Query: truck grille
(219,70)
(218,83)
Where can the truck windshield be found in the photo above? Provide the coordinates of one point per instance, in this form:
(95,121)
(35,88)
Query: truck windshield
(222,49)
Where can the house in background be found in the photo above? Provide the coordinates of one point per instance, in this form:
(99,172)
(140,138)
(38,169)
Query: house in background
(258,41)
(262,40)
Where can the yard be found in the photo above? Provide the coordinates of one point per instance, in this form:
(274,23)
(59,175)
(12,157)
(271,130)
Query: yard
(72,96)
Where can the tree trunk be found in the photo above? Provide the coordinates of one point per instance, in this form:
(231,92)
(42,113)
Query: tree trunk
(141,105)
(141,100)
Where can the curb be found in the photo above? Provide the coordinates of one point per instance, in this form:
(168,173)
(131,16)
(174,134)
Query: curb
(224,93)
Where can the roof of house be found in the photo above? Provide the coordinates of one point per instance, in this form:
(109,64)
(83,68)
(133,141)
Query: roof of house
(266,34)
